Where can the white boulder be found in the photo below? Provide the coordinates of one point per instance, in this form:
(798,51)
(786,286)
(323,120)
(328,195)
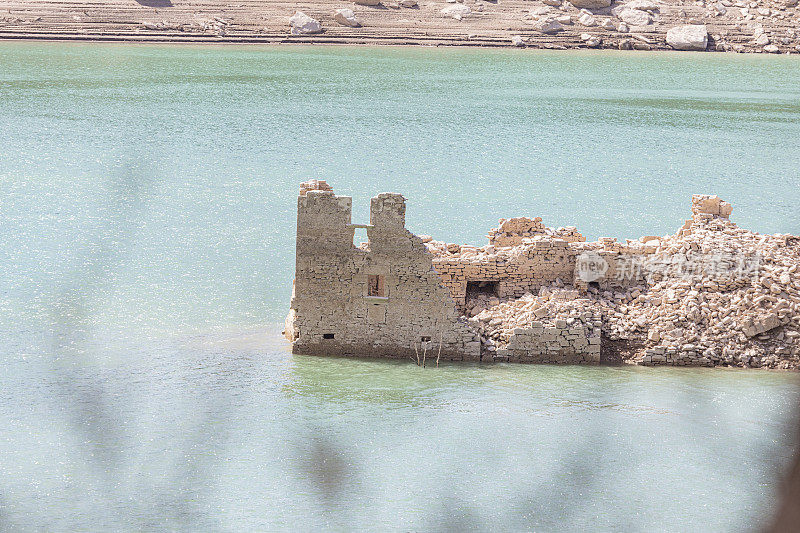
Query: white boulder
(346,17)
(456,11)
(587,20)
(635,17)
(302,24)
(688,37)
(518,41)
(548,26)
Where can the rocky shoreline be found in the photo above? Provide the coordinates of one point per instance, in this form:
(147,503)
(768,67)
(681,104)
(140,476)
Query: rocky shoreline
(763,26)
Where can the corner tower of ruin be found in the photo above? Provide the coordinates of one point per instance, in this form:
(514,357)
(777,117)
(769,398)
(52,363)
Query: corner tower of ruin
(380,299)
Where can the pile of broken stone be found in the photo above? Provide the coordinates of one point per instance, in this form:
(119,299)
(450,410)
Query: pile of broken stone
(558,307)
(504,240)
(705,318)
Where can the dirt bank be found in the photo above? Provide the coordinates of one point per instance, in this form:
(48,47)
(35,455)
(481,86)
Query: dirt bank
(762,26)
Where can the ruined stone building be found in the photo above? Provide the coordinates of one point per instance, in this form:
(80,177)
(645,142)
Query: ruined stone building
(382,299)
(539,294)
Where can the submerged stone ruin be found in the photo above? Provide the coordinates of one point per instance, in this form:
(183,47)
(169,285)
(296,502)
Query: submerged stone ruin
(713,294)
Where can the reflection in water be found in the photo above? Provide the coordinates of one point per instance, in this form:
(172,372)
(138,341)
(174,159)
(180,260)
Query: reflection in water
(212,432)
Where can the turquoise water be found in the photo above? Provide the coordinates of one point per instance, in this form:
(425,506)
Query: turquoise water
(146,250)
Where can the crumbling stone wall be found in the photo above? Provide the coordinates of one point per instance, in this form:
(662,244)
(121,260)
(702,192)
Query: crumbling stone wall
(527,295)
(331,311)
(540,262)
(514,231)
(575,341)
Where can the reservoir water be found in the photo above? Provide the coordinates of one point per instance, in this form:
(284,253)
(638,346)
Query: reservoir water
(147,204)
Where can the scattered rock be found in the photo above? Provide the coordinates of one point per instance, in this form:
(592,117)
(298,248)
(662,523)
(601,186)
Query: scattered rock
(456,11)
(590,40)
(302,24)
(587,20)
(407,3)
(367,2)
(517,40)
(642,5)
(548,26)
(688,37)
(635,17)
(539,11)
(346,17)
(771,49)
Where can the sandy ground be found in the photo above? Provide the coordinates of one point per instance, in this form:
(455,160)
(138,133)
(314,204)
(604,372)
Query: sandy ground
(732,25)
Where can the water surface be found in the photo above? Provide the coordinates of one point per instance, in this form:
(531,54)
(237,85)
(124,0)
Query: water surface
(148,196)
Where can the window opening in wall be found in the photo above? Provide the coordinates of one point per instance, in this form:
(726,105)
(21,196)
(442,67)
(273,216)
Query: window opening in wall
(376,286)
(481,288)
(360,238)
(425,339)
(327,335)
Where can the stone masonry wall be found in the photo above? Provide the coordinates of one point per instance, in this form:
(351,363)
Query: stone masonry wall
(331,312)
(541,262)
(575,341)
(712,294)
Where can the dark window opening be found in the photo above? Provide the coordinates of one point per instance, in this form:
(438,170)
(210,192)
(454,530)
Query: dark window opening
(594,285)
(426,339)
(481,288)
(327,335)
(376,286)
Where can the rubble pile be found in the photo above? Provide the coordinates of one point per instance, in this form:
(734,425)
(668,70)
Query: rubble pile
(713,294)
